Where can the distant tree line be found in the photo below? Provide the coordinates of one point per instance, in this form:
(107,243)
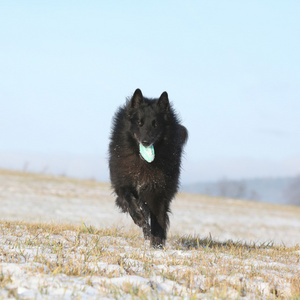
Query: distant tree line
(284,190)
(232,189)
(238,189)
(292,192)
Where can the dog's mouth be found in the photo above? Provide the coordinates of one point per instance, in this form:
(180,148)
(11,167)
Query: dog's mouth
(147,153)
(146,149)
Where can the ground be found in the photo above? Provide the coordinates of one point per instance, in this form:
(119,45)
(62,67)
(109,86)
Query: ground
(64,238)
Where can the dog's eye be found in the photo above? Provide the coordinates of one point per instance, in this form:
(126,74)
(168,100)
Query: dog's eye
(154,123)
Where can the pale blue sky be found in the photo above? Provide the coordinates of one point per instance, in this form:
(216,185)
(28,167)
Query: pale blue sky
(231,69)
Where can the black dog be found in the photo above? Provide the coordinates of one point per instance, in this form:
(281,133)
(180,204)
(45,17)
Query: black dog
(144,160)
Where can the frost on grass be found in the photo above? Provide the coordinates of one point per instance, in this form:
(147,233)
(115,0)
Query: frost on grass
(68,261)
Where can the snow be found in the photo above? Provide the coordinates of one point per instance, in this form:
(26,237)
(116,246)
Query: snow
(134,271)
(27,282)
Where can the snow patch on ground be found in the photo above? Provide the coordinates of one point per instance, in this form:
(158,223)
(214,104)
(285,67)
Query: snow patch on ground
(126,271)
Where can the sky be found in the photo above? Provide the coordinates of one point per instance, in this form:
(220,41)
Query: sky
(231,69)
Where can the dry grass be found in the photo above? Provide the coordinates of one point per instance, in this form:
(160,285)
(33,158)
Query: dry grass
(189,266)
(57,260)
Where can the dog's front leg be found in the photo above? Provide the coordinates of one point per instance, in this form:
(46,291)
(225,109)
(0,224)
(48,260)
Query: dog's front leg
(129,204)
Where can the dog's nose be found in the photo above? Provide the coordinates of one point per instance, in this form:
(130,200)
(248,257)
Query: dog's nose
(146,143)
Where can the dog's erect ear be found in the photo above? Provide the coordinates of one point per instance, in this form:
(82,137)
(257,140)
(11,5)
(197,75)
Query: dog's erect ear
(136,99)
(163,101)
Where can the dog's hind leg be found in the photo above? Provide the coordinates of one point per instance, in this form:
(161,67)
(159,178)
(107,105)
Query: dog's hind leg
(159,224)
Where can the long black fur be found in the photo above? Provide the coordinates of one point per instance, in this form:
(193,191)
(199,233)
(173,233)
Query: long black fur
(145,190)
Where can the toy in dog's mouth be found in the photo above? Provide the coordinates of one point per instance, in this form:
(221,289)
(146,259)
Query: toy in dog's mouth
(147,153)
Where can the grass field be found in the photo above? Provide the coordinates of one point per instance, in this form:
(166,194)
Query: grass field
(54,244)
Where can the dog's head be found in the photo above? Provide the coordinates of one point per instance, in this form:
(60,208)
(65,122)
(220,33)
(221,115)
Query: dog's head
(148,117)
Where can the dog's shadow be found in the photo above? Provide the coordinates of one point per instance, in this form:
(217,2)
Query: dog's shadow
(188,242)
